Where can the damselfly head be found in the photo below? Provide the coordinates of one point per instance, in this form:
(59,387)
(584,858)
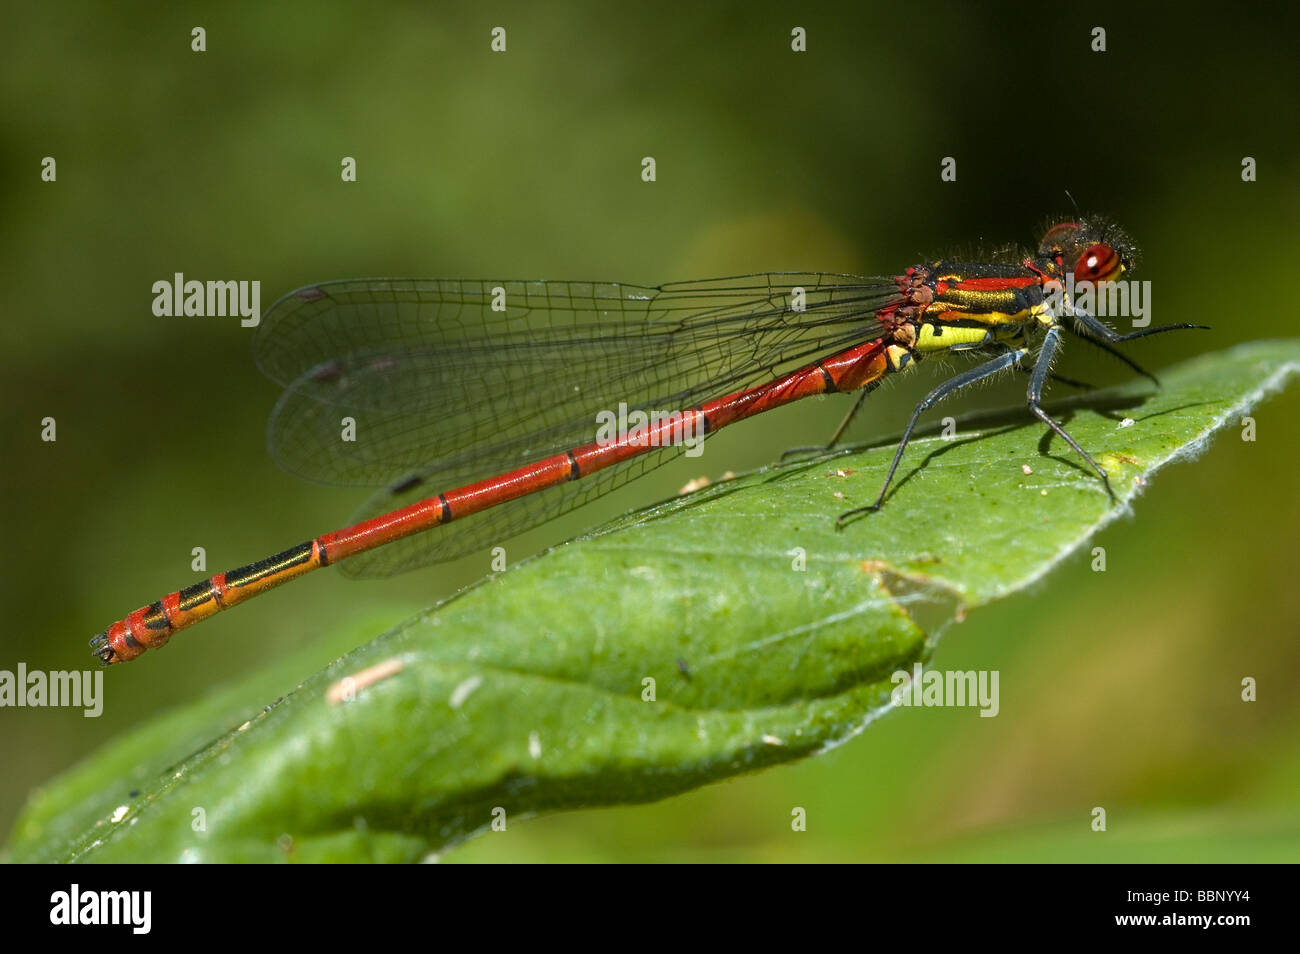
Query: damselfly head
(1096,250)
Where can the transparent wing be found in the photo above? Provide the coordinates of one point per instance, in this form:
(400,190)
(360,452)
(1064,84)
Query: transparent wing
(426,385)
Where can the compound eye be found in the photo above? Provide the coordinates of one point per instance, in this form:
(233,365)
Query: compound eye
(1099,263)
(1058,236)
(1060,233)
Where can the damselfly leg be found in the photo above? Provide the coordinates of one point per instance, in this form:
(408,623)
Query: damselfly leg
(816,449)
(1052,341)
(951,386)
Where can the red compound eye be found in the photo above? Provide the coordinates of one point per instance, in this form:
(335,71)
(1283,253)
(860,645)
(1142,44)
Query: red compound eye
(1058,236)
(1100,263)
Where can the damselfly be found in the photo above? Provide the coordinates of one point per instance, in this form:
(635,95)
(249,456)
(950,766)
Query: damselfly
(490,406)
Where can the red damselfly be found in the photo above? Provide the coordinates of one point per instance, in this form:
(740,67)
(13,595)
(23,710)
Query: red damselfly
(484,405)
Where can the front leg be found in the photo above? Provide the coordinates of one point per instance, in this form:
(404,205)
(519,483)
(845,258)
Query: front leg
(965,379)
(1043,367)
(1100,331)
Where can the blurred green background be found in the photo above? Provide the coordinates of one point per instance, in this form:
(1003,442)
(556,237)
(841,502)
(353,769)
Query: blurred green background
(1118,689)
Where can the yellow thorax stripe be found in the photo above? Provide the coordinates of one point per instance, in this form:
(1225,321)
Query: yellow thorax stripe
(943,337)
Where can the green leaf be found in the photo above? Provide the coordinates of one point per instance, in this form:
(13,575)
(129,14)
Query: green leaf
(528,692)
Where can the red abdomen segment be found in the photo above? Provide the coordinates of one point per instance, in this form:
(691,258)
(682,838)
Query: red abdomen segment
(151,626)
